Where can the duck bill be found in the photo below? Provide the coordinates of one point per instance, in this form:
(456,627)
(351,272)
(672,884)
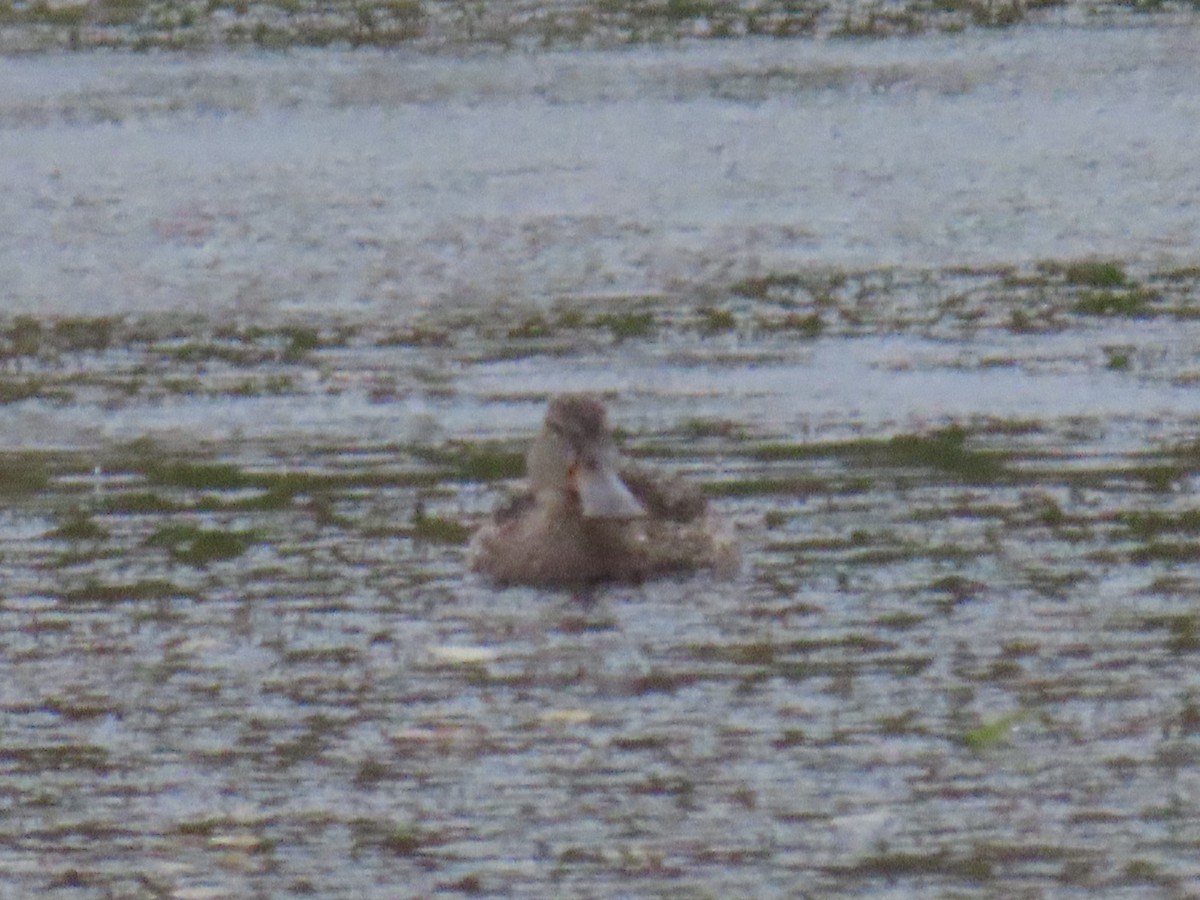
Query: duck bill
(602,495)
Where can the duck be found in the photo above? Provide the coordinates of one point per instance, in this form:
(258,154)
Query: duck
(587,519)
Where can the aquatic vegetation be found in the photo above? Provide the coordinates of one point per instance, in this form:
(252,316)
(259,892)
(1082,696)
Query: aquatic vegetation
(194,545)
(765,286)
(417,336)
(1118,359)
(281,24)
(809,326)
(1146,526)
(17,389)
(291,599)
(581,856)
(699,429)
(56,758)
(301,341)
(1159,478)
(878,24)
(1188,719)
(193,351)
(1184,634)
(23,338)
(78,526)
(1142,871)
(756,654)
(196,476)
(900,621)
(797,486)
(438,529)
(531,328)
(907,865)
(945,450)
(714,320)
(690,9)
(993,733)
(477,462)
(1134,303)
(83,334)
(22,473)
(135,503)
(372,771)
(627,325)
(96,591)
(1095,274)
(1183,630)
(660,682)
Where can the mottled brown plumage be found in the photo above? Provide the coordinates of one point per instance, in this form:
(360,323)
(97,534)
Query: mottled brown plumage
(586,520)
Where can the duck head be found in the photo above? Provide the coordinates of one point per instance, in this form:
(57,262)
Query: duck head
(575,455)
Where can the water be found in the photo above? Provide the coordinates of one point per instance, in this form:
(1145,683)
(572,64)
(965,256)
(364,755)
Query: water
(381,184)
(280,301)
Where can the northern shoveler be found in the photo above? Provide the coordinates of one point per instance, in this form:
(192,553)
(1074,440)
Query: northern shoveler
(585,519)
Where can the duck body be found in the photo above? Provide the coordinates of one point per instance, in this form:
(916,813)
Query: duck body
(585,520)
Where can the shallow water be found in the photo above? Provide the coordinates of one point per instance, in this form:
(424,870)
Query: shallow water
(305,302)
(377,185)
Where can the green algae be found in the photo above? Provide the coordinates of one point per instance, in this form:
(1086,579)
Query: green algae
(437,529)
(944,450)
(1134,303)
(993,733)
(476,462)
(194,545)
(23,473)
(78,526)
(1095,274)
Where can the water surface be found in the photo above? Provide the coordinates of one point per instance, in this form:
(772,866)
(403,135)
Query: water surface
(921,316)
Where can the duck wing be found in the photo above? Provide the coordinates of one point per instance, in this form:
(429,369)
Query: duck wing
(665,497)
(514,507)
